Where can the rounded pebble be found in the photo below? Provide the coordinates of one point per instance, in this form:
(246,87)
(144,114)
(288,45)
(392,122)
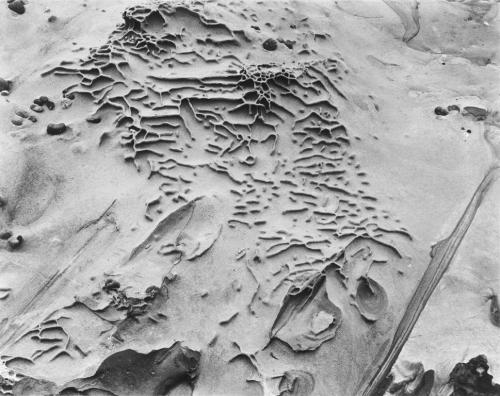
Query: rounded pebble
(441,111)
(17,6)
(5,85)
(36,108)
(56,129)
(50,105)
(270,44)
(22,113)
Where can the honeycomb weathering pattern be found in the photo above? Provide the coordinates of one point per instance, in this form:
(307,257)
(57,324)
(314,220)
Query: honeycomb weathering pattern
(259,141)
(218,116)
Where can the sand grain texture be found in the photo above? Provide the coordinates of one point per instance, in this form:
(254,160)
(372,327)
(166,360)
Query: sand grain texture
(245,198)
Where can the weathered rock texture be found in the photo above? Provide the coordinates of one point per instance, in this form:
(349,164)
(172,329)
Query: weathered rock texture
(241,198)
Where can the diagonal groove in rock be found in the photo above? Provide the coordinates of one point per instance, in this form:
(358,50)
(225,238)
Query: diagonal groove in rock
(442,254)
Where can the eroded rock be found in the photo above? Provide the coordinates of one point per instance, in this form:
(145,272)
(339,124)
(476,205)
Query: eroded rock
(307,317)
(127,373)
(472,379)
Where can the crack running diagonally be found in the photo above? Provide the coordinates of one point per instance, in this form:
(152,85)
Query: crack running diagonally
(442,254)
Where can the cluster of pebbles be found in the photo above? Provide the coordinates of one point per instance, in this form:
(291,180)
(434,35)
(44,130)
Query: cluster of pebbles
(38,106)
(6,235)
(478,113)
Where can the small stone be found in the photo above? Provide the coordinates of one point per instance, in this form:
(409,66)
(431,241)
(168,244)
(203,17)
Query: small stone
(52,18)
(17,121)
(17,6)
(5,85)
(93,119)
(22,113)
(50,105)
(15,241)
(453,108)
(56,129)
(32,118)
(40,101)
(36,108)
(441,111)
(5,234)
(270,44)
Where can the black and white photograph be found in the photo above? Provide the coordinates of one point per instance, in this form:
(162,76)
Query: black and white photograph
(249,197)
